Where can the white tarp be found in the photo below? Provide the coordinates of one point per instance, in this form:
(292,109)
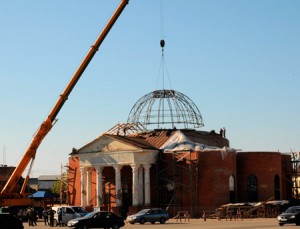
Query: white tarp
(180,142)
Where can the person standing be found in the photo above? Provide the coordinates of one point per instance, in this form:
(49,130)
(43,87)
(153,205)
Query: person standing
(51,215)
(224,132)
(28,214)
(45,216)
(59,217)
(33,217)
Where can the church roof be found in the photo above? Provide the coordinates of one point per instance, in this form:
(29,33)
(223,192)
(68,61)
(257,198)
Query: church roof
(160,136)
(158,139)
(137,141)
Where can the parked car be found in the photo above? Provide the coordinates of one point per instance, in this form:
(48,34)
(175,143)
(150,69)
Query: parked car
(149,215)
(8,221)
(68,213)
(291,215)
(102,219)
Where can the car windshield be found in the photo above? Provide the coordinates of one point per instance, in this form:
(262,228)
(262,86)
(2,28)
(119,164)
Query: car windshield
(292,210)
(144,211)
(79,210)
(89,215)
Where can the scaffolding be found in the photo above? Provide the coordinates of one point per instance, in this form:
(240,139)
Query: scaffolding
(178,182)
(295,175)
(126,129)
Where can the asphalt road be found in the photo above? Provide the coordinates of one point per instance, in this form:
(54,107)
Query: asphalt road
(259,223)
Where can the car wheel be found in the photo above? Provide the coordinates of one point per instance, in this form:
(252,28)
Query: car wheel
(116,226)
(142,221)
(162,220)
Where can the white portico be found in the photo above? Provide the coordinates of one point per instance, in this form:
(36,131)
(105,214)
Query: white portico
(116,152)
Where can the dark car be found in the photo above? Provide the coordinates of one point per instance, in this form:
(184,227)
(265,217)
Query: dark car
(8,221)
(102,219)
(151,215)
(291,215)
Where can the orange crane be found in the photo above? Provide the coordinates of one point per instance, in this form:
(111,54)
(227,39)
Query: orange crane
(9,196)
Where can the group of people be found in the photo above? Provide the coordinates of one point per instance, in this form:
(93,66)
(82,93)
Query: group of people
(48,215)
(32,216)
(223,132)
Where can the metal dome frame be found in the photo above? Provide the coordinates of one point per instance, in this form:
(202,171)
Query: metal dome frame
(164,108)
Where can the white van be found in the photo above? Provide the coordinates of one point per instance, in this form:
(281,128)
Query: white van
(68,213)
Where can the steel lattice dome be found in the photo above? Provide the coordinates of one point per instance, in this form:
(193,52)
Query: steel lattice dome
(166,109)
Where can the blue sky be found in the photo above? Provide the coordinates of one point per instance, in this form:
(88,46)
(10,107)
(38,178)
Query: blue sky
(239,61)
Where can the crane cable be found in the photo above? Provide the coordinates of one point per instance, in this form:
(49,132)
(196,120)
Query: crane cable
(163,65)
(162,19)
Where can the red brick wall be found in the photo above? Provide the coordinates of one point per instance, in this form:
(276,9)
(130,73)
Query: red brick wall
(264,165)
(74,176)
(202,179)
(215,168)
(286,168)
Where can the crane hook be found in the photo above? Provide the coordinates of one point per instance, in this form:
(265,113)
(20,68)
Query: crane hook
(162,43)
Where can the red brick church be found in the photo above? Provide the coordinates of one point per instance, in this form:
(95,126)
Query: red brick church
(179,168)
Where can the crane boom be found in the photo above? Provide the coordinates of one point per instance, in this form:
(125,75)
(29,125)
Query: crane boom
(46,126)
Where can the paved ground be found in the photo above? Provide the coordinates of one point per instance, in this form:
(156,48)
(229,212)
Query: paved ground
(196,223)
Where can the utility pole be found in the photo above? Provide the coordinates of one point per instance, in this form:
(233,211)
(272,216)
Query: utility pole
(67,184)
(61,183)
(64,185)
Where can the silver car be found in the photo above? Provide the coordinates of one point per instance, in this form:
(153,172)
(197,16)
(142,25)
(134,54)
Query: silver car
(151,215)
(68,213)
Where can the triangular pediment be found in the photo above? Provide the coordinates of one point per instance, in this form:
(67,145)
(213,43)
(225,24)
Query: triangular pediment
(106,143)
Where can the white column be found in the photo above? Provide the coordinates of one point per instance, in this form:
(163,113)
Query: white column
(147,184)
(89,187)
(83,186)
(118,185)
(99,187)
(135,184)
(141,186)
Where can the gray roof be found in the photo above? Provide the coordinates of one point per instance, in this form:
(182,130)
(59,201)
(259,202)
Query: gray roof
(49,177)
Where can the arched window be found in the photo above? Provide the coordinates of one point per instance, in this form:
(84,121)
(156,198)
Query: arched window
(252,190)
(276,187)
(232,198)
(231,183)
